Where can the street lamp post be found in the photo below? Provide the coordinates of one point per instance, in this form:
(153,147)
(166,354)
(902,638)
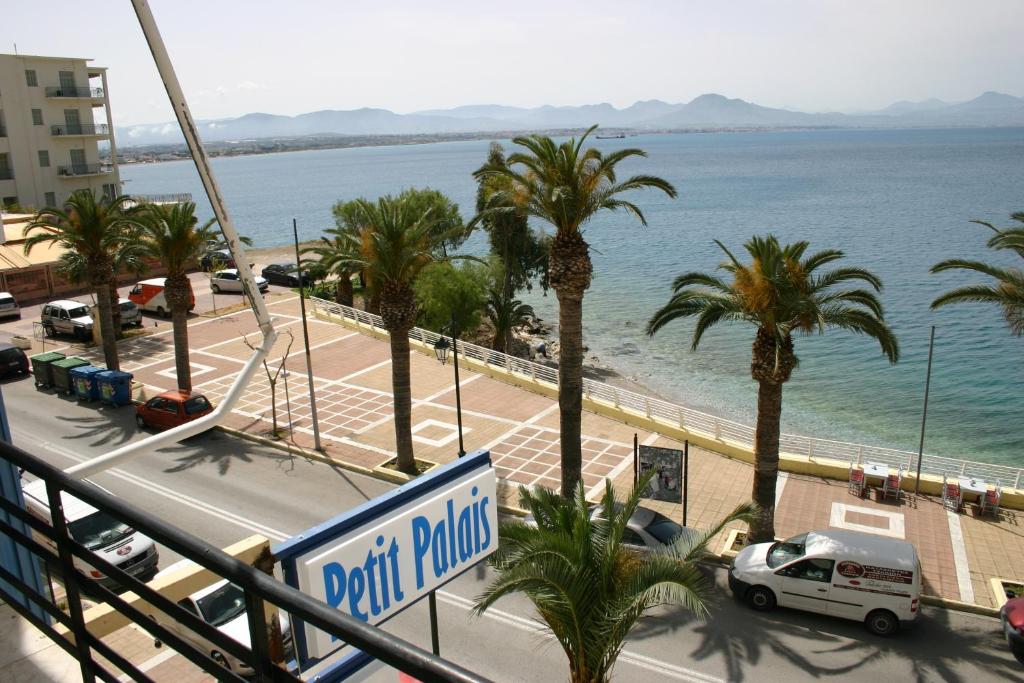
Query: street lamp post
(441,351)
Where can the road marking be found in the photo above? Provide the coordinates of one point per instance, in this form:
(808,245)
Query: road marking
(963,569)
(535,628)
(152,662)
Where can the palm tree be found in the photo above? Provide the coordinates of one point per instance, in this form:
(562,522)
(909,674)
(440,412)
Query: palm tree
(1007,291)
(171,235)
(394,245)
(333,254)
(96,229)
(589,588)
(567,185)
(779,292)
(505,315)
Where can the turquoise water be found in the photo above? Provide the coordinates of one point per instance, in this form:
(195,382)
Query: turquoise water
(895,201)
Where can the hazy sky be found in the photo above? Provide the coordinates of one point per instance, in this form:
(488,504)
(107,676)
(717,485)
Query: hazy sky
(295,56)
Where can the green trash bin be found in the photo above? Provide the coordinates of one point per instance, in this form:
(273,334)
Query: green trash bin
(41,367)
(61,370)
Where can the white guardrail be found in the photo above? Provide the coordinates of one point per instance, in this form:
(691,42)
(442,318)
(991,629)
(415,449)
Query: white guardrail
(696,421)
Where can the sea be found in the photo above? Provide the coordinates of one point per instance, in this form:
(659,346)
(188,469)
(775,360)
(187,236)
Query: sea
(894,201)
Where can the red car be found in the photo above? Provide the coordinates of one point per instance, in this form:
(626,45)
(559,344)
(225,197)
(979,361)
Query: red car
(1012,616)
(172,408)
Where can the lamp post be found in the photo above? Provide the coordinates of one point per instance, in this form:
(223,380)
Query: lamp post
(305,336)
(441,351)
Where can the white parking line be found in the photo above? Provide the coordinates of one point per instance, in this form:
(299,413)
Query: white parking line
(963,569)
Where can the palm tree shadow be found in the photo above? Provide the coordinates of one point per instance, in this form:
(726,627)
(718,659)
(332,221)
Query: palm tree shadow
(105,428)
(202,450)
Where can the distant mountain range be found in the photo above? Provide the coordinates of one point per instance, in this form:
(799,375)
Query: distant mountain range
(703,113)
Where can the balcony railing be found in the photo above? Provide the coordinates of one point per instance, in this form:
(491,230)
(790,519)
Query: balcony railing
(84,169)
(74,91)
(257,587)
(6,174)
(80,129)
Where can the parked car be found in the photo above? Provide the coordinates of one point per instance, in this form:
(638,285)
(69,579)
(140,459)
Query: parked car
(286,274)
(130,313)
(100,533)
(230,281)
(13,361)
(9,306)
(172,408)
(868,578)
(149,296)
(222,605)
(216,259)
(646,529)
(67,317)
(1012,617)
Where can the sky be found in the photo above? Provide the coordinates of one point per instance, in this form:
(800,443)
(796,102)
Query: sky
(289,57)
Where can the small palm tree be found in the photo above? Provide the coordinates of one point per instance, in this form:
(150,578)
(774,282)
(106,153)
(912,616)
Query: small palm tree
(332,252)
(505,315)
(96,229)
(1007,291)
(566,185)
(171,234)
(394,245)
(589,588)
(780,292)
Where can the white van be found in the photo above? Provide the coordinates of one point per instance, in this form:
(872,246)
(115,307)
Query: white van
(111,539)
(848,574)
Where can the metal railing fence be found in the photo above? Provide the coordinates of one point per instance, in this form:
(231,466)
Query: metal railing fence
(80,129)
(703,423)
(257,586)
(73,91)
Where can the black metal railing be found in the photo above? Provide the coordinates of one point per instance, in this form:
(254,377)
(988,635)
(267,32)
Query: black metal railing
(257,586)
(80,129)
(73,91)
(84,169)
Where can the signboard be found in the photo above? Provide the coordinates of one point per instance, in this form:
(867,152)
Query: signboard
(667,463)
(383,556)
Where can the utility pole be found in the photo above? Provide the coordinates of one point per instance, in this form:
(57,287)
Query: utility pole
(305,337)
(924,414)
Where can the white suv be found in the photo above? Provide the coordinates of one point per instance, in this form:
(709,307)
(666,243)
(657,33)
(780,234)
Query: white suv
(67,317)
(8,306)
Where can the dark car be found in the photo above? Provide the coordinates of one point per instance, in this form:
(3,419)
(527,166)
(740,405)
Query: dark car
(216,260)
(1012,617)
(646,530)
(13,361)
(172,408)
(286,274)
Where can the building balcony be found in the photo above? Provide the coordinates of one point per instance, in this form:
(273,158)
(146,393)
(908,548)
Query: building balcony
(74,92)
(79,170)
(81,129)
(6,174)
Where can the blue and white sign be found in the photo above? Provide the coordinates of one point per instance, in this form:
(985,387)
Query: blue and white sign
(380,558)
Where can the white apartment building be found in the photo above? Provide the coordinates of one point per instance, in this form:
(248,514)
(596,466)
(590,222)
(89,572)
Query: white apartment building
(49,134)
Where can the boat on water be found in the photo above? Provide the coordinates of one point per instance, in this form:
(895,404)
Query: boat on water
(610,137)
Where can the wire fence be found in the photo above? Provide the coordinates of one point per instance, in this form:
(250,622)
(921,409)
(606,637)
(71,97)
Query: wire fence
(814,449)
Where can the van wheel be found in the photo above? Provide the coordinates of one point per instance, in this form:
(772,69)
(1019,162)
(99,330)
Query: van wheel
(882,622)
(760,598)
(215,289)
(79,335)
(161,312)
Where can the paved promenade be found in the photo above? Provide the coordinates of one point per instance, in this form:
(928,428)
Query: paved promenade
(959,553)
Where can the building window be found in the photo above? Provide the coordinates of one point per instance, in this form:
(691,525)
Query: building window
(51,199)
(5,168)
(10,202)
(110,191)
(44,158)
(30,78)
(37,117)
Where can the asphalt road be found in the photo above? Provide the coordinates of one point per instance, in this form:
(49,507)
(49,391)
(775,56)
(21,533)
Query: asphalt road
(223,489)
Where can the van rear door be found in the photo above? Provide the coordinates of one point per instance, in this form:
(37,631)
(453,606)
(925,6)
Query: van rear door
(806,584)
(859,588)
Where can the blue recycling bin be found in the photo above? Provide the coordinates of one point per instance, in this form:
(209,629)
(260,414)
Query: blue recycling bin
(115,387)
(83,379)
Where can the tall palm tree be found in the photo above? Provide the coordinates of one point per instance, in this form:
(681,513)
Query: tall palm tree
(780,292)
(172,235)
(1007,291)
(95,228)
(394,245)
(589,588)
(567,185)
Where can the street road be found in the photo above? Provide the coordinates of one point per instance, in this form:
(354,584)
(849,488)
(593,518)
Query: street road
(222,489)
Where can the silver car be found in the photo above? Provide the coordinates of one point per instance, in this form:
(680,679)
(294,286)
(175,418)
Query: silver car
(8,306)
(131,314)
(646,529)
(67,317)
(229,280)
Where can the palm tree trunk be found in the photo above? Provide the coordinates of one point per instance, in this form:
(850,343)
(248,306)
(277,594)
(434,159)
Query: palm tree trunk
(107,326)
(115,308)
(343,290)
(570,387)
(402,387)
(179,323)
(766,459)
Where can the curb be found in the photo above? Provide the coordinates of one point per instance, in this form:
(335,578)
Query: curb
(958,606)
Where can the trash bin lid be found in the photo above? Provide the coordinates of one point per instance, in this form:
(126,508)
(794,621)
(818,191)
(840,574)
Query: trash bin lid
(48,357)
(72,362)
(86,370)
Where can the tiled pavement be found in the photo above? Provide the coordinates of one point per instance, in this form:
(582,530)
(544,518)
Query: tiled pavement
(352,374)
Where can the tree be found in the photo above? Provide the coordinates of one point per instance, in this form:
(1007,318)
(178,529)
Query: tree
(446,293)
(272,378)
(505,315)
(588,588)
(442,214)
(392,248)
(1007,291)
(567,185)
(171,235)
(780,292)
(95,228)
